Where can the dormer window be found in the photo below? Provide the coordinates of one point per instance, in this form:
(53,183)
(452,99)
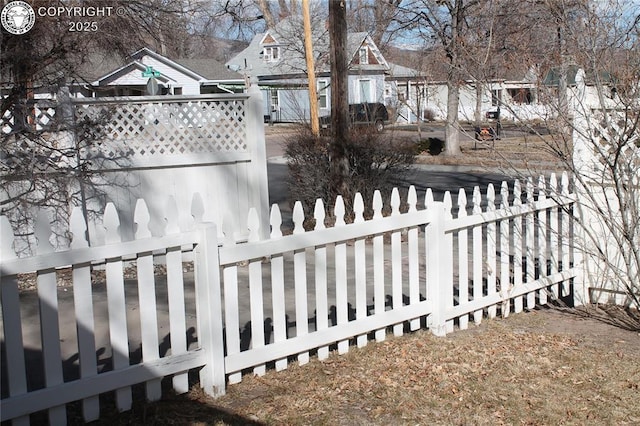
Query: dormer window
(363,55)
(271,54)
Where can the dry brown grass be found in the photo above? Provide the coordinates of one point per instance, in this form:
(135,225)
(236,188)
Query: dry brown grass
(530,153)
(543,367)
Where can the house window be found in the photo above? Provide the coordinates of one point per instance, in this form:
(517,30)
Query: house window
(177,90)
(323,98)
(496,97)
(363,55)
(271,54)
(365,90)
(521,95)
(275,104)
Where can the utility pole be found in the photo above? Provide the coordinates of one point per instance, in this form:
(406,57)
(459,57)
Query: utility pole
(311,72)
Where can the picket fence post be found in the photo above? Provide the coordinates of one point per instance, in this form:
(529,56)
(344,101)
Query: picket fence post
(436,280)
(209,308)
(258,176)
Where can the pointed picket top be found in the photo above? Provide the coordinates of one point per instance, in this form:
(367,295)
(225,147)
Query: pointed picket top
(564,183)
(462,203)
(447,201)
(412,199)
(542,188)
(197,208)
(319,214)
(504,195)
(428,198)
(78,228)
(6,241)
(477,200)
(339,211)
(530,190)
(395,202)
(253,224)
(141,218)
(517,193)
(553,185)
(298,218)
(491,197)
(42,233)
(358,208)
(111,223)
(171,216)
(377,204)
(275,221)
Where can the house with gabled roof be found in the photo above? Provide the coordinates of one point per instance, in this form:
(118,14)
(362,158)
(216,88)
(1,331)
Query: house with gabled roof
(275,61)
(109,75)
(176,77)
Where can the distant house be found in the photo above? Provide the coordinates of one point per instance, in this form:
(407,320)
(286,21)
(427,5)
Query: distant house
(111,76)
(275,62)
(423,94)
(406,93)
(175,77)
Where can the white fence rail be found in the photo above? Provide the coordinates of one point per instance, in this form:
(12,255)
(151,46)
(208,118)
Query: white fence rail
(259,303)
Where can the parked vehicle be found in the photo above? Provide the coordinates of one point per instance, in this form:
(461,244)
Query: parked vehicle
(373,114)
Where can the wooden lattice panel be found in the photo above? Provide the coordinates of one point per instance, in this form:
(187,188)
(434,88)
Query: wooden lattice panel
(141,130)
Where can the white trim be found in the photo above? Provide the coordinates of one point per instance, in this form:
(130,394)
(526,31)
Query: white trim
(128,68)
(265,36)
(168,62)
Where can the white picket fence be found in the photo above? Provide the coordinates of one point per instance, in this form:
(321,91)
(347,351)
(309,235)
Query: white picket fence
(252,305)
(64,326)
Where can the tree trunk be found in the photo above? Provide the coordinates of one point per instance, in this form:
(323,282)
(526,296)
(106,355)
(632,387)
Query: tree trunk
(339,97)
(478,112)
(451,129)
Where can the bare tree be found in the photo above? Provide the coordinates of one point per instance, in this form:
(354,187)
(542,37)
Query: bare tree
(595,131)
(447,22)
(383,20)
(606,146)
(40,165)
(592,115)
(243,15)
